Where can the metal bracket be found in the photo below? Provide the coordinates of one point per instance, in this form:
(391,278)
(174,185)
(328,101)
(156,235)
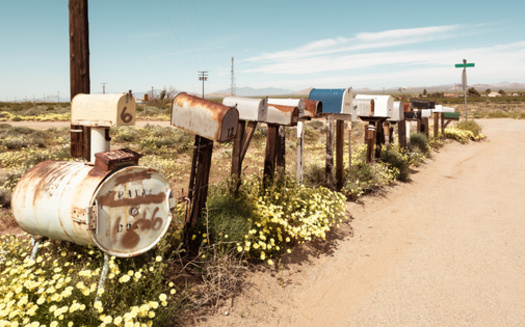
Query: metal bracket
(92,217)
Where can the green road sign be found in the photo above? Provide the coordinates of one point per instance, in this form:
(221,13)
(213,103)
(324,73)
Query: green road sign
(470,64)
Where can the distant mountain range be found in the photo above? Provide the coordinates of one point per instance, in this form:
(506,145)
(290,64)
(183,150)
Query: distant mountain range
(249,91)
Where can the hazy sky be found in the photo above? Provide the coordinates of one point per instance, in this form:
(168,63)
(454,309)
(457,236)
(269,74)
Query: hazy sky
(287,44)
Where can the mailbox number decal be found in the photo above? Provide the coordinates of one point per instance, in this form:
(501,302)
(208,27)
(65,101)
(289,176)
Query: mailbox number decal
(126,116)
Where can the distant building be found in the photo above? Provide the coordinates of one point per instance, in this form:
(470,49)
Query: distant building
(494,95)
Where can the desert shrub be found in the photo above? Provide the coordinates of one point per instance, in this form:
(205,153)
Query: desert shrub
(419,143)
(470,125)
(396,162)
(314,174)
(363,178)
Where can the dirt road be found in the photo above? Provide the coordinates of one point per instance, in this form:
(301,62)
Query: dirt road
(446,249)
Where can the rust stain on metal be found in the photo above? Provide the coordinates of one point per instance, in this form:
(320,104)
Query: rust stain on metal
(217,110)
(117,199)
(285,108)
(313,108)
(111,159)
(133,177)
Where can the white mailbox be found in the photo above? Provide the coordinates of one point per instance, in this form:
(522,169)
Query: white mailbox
(249,109)
(103,110)
(383,104)
(282,115)
(398,112)
(299,103)
(426,113)
(362,108)
(441,108)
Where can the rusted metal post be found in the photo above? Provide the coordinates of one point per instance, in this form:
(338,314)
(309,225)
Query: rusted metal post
(270,153)
(329,166)
(339,146)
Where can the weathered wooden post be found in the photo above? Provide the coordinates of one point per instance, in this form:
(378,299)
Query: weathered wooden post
(278,115)
(337,105)
(79,71)
(210,122)
(251,111)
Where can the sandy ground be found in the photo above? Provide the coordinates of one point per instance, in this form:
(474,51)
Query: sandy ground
(446,249)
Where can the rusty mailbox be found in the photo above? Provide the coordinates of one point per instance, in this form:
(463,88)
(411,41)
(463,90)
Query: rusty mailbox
(335,102)
(122,208)
(92,115)
(282,115)
(298,103)
(205,118)
(250,109)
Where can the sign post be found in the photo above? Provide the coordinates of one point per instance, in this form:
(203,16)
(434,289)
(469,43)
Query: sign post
(464,65)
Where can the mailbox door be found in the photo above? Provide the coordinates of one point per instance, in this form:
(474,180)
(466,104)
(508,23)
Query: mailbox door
(132,211)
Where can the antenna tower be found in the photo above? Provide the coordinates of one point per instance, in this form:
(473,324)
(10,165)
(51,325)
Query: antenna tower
(233,81)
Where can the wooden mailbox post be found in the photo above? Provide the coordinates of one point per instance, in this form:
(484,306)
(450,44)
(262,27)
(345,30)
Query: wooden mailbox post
(210,122)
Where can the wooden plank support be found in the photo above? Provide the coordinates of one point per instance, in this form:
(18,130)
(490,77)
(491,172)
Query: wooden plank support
(379,139)
(240,147)
(198,185)
(442,123)
(281,150)
(401,133)
(329,159)
(299,168)
(370,138)
(339,149)
(436,124)
(272,135)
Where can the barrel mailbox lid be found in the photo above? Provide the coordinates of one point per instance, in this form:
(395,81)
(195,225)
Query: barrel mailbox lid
(282,115)
(335,101)
(398,112)
(103,110)
(299,103)
(250,109)
(383,104)
(313,108)
(132,209)
(205,118)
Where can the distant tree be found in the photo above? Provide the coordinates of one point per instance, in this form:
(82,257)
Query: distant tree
(424,92)
(487,91)
(162,94)
(502,92)
(472,92)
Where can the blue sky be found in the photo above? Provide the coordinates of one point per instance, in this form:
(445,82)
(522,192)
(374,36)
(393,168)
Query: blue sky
(287,44)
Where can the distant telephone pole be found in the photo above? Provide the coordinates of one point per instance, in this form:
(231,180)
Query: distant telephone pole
(104,87)
(79,47)
(203,76)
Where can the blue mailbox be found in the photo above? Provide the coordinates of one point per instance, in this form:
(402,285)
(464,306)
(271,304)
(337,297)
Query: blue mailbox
(336,102)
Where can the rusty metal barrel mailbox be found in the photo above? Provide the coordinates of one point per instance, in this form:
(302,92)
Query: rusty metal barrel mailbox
(122,208)
(205,118)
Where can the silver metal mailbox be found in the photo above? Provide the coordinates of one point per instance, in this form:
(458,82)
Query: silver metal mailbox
(383,104)
(282,115)
(124,211)
(205,118)
(426,113)
(398,112)
(299,103)
(441,108)
(250,109)
(103,110)
(362,108)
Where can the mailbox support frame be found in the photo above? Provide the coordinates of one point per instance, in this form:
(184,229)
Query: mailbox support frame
(240,147)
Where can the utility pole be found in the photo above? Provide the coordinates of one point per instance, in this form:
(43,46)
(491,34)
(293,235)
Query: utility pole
(79,47)
(152,94)
(233,81)
(104,87)
(203,76)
